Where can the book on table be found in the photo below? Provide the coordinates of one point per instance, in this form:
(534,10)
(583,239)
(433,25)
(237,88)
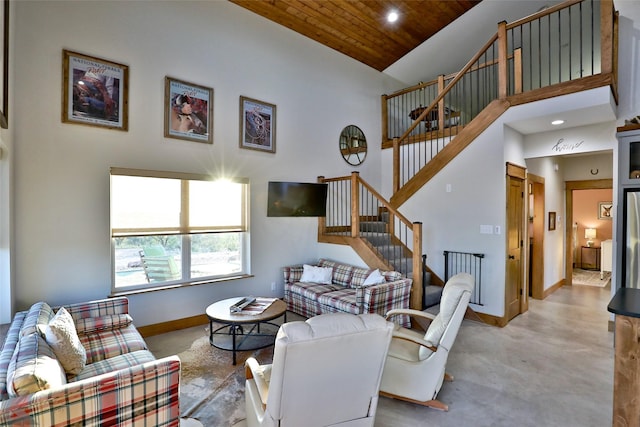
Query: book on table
(253,305)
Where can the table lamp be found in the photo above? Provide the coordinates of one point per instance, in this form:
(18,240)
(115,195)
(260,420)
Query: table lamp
(589,234)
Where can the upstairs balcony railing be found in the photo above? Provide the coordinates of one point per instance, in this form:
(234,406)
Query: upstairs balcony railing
(359,216)
(563,49)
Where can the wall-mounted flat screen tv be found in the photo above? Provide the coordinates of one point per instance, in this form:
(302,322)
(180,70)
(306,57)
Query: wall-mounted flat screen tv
(297,199)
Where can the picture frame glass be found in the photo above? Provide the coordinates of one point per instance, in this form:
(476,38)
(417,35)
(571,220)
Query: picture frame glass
(257,125)
(95,91)
(188,111)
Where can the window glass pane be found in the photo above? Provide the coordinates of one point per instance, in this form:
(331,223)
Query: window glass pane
(144,203)
(216,254)
(217,204)
(141,260)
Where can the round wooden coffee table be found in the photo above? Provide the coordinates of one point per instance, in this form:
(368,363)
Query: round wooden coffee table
(232,335)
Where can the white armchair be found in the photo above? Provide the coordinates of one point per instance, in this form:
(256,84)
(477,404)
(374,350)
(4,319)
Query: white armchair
(325,372)
(415,366)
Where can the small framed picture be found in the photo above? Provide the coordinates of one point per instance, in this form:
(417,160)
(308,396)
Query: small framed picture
(188,111)
(257,125)
(604,210)
(95,91)
(552,221)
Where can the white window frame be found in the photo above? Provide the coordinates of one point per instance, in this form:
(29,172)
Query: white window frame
(183,230)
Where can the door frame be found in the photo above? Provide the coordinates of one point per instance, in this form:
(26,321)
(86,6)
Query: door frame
(592,184)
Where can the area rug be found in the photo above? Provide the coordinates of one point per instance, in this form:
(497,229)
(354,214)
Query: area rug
(590,278)
(212,388)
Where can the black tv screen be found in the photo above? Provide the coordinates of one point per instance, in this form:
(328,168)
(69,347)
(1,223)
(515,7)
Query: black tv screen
(297,199)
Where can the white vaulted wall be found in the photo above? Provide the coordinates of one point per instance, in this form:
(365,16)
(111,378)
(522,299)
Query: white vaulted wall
(61,181)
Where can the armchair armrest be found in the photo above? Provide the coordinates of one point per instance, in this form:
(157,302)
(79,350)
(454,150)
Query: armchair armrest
(411,313)
(147,393)
(400,334)
(260,374)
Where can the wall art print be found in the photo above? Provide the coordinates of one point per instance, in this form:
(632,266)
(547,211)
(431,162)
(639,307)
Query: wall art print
(95,91)
(188,111)
(257,125)
(604,210)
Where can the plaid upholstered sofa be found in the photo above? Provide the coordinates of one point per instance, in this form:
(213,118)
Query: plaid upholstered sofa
(121,382)
(345,290)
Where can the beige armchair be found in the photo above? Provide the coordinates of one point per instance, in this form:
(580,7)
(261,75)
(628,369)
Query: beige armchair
(415,366)
(325,372)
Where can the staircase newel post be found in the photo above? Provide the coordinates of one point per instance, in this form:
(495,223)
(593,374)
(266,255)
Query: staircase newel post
(606,31)
(502,60)
(441,112)
(396,165)
(322,221)
(355,208)
(385,125)
(416,288)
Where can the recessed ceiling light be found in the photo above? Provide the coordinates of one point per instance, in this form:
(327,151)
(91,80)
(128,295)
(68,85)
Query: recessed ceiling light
(392,16)
(557,122)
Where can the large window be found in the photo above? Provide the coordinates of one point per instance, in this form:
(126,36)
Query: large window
(170,228)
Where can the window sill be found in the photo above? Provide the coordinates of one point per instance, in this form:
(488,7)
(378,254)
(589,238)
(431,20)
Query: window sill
(178,285)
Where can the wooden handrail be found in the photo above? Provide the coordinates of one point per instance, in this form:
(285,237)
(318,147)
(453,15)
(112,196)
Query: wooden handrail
(451,84)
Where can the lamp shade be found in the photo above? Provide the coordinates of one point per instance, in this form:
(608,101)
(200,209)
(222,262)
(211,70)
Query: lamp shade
(589,233)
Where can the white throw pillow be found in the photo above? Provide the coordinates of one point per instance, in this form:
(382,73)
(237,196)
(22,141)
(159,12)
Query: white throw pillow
(312,274)
(61,335)
(375,278)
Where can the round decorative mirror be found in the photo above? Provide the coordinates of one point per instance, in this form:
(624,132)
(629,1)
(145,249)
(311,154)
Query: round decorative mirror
(353,145)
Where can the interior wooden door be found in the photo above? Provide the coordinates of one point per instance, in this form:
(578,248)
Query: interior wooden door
(536,237)
(515,242)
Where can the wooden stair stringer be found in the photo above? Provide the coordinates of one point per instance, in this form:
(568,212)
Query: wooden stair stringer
(470,132)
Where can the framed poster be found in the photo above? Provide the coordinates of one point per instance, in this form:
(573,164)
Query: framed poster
(604,210)
(4,66)
(95,91)
(257,125)
(188,111)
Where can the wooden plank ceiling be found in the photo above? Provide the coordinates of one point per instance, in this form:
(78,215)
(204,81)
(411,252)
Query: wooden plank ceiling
(358,28)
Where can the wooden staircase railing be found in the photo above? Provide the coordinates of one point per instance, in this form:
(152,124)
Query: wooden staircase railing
(357,215)
(567,48)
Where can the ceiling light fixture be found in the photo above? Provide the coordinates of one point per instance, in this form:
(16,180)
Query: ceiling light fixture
(557,122)
(392,16)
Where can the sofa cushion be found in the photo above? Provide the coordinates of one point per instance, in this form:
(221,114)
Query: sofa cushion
(341,272)
(375,278)
(40,313)
(61,335)
(33,367)
(312,274)
(110,343)
(359,275)
(292,273)
(116,363)
(340,301)
(302,298)
(8,348)
(102,323)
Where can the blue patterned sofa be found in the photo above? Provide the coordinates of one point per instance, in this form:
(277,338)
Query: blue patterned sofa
(119,383)
(347,292)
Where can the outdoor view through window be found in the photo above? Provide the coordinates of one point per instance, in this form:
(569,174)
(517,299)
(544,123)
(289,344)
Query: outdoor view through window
(171,228)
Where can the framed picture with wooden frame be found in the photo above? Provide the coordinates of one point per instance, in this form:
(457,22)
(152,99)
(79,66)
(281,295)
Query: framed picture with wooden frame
(4,68)
(552,221)
(94,91)
(188,111)
(257,125)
